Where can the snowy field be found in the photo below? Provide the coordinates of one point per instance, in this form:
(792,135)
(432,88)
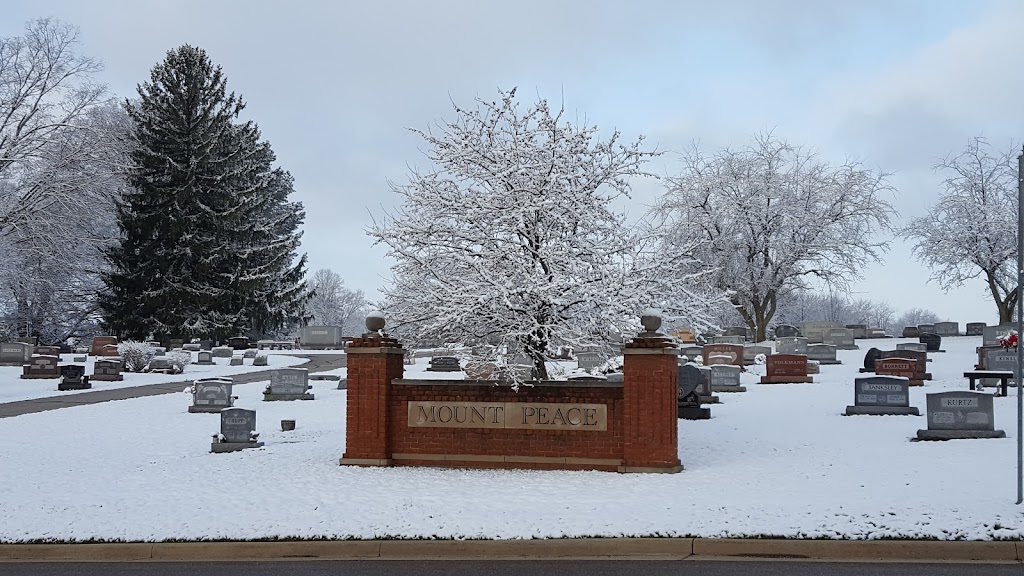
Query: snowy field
(13,388)
(777,460)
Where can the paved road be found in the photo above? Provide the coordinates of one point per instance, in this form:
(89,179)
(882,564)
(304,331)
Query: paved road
(503,568)
(316,363)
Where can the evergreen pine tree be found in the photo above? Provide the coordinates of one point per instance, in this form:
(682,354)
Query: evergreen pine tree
(198,255)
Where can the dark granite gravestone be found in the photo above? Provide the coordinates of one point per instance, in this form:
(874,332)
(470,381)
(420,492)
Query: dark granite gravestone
(235,361)
(692,352)
(726,378)
(911,332)
(444,364)
(585,360)
(822,353)
(160,365)
(975,329)
(107,370)
(206,344)
(786,331)
(926,329)
(707,396)
(211,395)
(15,353)
(288,384)
(786,369)
(46,351)
(881,396)
(688,405)
(900,367)
(947,328)
(932,341)
(41,367)
(259,360)
(191,347)
(750,353)
(239,343)
(204,358)
(791,345)
(954,415)
(733,353)
(992,334)
(1001,359)
(72,377)
(858,330)
(237,431)
(869,359)
(223,352)
(249,354)
(175,344)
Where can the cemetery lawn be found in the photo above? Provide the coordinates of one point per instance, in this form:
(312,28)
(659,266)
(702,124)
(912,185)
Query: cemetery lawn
(13,389)
(778,460)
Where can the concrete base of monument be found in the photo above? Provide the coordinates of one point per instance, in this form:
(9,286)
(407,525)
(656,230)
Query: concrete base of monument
(728,389)
(882,411)
(64,386)
(282,397)
(221,447)
(710,400)
(39,377)
(206,409)
(365,462)
(693,413)
(957,434)
(786,380)
(101,378)
(331,377)
(847,347)
(828,362)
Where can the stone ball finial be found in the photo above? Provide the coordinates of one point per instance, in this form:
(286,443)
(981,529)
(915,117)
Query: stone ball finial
(375,321)
(651,320)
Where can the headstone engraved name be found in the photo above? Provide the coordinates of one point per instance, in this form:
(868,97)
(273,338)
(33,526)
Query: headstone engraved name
(585,360)
(689,380)
(41,367)
(955,415)
(822,353)
(841,338)
(223,352)
(107,370)
(288,384)
(786,331)
(211,395)
(692,352)
(881,396)
(901,367)
(46,351)
(974,329)
(100,343)
(926,328)
(72,377)
(916,346)
(237,431)
(786,369)
(733,353)
(726,378)
(728,339)
(204,358)
(15,353)
(992,334)
(947,328)
(791,345)
(444,364)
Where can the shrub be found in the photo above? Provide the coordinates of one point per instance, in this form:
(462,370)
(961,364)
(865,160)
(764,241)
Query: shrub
(136,355)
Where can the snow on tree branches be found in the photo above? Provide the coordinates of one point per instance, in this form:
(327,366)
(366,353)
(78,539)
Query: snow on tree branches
(512,241)
(770,215)
(972,230)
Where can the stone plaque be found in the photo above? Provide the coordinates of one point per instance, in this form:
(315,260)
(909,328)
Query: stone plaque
(689,379)
(823,353)
(787,365)
(960,411)
(212,392)
(289,381)
(107,370)
(932,341)
(751,352)
(915,346)
(512,415)
(733,351)
(237,424)
(1001,359)
(882,391)
(975,329)
(841,338)
(15,353)
(791,345)
(947,328)
(204,357)
(786,331)
(902,367)
(910,332)
(728,340)
(722,375)
(588,360)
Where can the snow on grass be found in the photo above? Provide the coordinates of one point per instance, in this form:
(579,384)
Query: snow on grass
(778,460)
(13,388)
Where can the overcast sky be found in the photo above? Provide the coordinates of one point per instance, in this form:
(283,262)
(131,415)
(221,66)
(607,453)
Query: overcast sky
(334,84)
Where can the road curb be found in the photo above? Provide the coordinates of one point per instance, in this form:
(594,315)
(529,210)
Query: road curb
(563,548)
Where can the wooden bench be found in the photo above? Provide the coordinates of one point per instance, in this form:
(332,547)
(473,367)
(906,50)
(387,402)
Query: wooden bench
(1004,377)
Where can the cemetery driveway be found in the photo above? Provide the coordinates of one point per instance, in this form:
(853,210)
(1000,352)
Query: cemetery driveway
(315,363)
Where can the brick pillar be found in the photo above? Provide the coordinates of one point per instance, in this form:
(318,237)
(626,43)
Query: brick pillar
(373,362)
(651,442)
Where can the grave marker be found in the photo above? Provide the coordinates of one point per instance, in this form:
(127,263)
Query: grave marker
(915,346)
(728,340)
(880,396)
(211,395)
(726,378)
(585,360)
(237,431)
(975,329)
(786,369)
(41,367)
(954,415)
(787,331)
(444,364)
(911,332)
(841,338)
(15,353)
(751,352)
(204,358)
(858,330)
(99,344)
(932,341)
(72,377)
(107,370)
(822,354)
(947,328)
(288,384)
(223,352)
(791,345)
(688,381)
(732,352)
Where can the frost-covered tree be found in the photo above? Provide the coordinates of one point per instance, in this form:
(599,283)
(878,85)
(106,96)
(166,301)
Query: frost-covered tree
(971,231)
(334,304)
(208,236)
(916,316)
(771,215)
(511,237)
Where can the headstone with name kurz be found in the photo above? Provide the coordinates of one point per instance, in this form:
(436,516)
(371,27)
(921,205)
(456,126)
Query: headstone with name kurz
(822,354)
(211,395)
(41,367)
(975,329)
(910,332)
(750,353)
(72,377)
(955,415)
(932,340)
(726,378)
(841,338)
(947,328)
(791,345)
(786,369)
(858,330)
(237,431)
(585,360)
(733,352)
(204,358)
(688,381)
(901,367)
(105,370)
(881,396)
(786,331)
(288,384)
(15,353)
(99,344)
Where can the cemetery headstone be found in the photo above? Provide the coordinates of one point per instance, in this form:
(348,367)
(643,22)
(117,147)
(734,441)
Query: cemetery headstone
(858,330)
(685,335)
(80,359)
(728,340)
(237,431)
(975,329)
(916,346)
(926,328)
(692,352)
(822,354)
(786,369)
(107,370)
(726,378)
(955,415)
(947,328)
(1002,359)
(444,364)
(813,367)
(206,344)
(901,367)
(786,331)
(175,344)
(872,355)
(920,360)
(249,354)
(204,358)
(585,360)
(159,351)
(881,396)
(911,332)
(41,367)
(740,331)
(260,360)
(32,341)
(15,353)
(223,352)
(46,351)
(791,345)
(707,395)
(211,395)
(688,405)
(191,347)
(992,334)
(733,352)
(815,331)
(72,377)
(235,361)
(932,341)
(238,343)
(751,352)
(99,344)
(288,384)
(841,338)
(160,365)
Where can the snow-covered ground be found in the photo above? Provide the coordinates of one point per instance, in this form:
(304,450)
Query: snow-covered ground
(777,460)
(12,388)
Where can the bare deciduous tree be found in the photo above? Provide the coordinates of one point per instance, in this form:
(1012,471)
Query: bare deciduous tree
(333,304)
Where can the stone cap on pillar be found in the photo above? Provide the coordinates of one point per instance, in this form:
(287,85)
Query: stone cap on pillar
(375,337)
(650,341)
